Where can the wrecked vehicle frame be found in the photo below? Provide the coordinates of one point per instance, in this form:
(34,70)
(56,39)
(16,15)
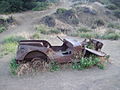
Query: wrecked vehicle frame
(41,51)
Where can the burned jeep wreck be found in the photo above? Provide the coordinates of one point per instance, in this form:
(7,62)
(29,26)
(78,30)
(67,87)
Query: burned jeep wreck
(39,53)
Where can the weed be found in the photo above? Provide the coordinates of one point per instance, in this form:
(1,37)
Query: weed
(111,7)
(9,45)
(13,66)
(2,29)
(101,66)
(111,36)
(41,6)
(83,29)
(87,35)
(7,48)
(54,31)
(114,25)
(60,10)
(86,62)
(54,66)
(13,39)
(46,30)
(36,36)
(42,29)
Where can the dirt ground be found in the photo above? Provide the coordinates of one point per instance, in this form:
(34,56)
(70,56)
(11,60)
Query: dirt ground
(89,79)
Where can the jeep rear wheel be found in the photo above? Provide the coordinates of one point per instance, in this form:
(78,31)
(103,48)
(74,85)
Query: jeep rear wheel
(38,64)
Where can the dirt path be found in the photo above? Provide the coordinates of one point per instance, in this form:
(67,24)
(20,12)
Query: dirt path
(27,20)
(89,79)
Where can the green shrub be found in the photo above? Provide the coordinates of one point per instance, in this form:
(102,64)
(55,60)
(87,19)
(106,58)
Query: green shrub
(36,35)
(54,66)
(105,1)
(111,36)
(84,29)
(60,10)
(41,6)
(7,48)
(86,62)
(114,25)
(9,45)
(117,13)
(13,39)
(87,35)
(42,29)
(111,6)
(101,66)
(8,6)
(53,1)
(13,66)
(2,29)
(46,30)
(99,22)
(54,31)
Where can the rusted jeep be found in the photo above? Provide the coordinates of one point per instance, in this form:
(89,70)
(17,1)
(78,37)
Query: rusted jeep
(40,52)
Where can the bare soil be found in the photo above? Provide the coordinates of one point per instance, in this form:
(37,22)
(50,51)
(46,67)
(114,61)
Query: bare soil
(89,79)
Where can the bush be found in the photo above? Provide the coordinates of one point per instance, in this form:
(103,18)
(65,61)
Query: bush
(111,6)
(54,66)
(60,10)
(46,30)
(87,35)
(111,36)
(36,36)
(117,13)
(7,48)
(42,29)
(2,29)
(13,39)
(41,6)
(8,6)
(114,25)
(13,66)
(54,31)
(99,22)
(86,62)
(9,45)
(83,29)
(53,1)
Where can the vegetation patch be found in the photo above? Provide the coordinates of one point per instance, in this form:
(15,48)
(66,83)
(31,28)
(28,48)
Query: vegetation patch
(88,35)
(54,66)
(9,45)
(111,7)
(13,39)
(41,6)
(114,25)
(87,62)
(61,10)
(117,13)
(2,28)
(84,29)
(13,67)
(7,48)
(36,36)
(46,30)
(111,36)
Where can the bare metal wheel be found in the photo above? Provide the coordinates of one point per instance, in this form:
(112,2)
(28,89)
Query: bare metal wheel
(39,64)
